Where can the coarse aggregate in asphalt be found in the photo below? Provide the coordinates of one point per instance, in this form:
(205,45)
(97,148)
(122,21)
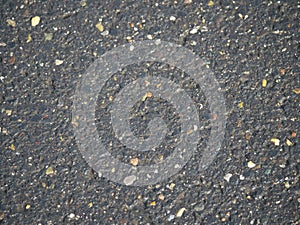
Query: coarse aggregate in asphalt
(252,47)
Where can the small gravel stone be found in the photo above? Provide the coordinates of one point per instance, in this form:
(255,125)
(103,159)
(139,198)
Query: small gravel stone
(58,62)
(289,143)
(275,141)
(172,18)
(210,3)
(105,33)
(264,83)
(194,30)
(11,23)
(134,161)
(129,180)
(171,186)
(171,217)
(180,212)
(251,164)
(48,36)
(49,170)
(188,2)
(161,197)
(149,36)
(296,90)
(227,177)
(8,112)
(35,21)
(12,147)
(2,215)
(100,27)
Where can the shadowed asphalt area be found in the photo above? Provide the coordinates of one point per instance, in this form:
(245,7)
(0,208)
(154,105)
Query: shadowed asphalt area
(252,48)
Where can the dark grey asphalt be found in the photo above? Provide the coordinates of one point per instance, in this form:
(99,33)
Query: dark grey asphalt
(245,43)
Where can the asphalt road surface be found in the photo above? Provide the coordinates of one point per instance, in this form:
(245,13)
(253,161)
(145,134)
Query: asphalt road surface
(252,50)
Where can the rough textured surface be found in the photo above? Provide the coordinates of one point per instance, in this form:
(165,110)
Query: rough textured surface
(254,179)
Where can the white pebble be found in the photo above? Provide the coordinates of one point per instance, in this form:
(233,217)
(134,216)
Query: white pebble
(172,18)
(251,164)
(194,30)
(171,217)
(149,36)
(227,177)
(105,33)
(58,62)
(131,48)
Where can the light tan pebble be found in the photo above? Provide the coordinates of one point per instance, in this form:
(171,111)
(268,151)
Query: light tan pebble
(171,186)
(35,21)
(180,212)
(161,197)
(12,147)
(149,36)
(134,161)
(289,143)
(251,164)
(8,112)
(210,3)
(100,27)
(296,90)
(49,170)
(275,141)
(11,23)
(58,62)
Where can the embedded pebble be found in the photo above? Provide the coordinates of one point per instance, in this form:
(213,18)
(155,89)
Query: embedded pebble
(228,176)
(188,2)
(48,36)
(264,83)
(134,161)
(11,23)
(180,212)
(194,30)
(129,180)
(58,62)
(149,36)
(35,21)
(275,141)
(131,48)
(251,164)
(100,27)
(172,18)
(105,33)
(289,143)
(49,170)
(171,217)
